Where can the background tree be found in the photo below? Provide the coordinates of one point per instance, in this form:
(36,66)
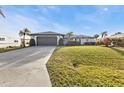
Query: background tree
(22,34)
(118,33)
(96,35)
(69,34)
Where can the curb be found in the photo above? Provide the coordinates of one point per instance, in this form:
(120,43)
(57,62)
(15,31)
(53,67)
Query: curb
(45,62)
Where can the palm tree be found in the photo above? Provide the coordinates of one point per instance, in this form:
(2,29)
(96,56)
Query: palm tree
(118,33)
(69,34)
(96,35)
(23,33)
(1,13)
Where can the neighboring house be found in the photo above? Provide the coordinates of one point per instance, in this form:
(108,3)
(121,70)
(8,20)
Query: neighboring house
(83,39)
(87,39)
(118,36)
(47,38)
(6,41)
(117,39)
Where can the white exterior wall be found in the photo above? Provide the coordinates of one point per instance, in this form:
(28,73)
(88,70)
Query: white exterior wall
(4,45)
(27,39)
(35,39)
(58,38)
(9,41)
(83,40)
(65,41)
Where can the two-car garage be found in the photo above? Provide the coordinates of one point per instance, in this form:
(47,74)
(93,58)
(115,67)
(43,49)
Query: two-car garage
(47,38)
(50,41)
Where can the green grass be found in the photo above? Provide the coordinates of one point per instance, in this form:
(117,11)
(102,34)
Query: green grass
(8,49)
(87,66)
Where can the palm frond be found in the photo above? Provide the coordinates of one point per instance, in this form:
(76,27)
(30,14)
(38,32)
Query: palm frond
(1,13)
(21,33)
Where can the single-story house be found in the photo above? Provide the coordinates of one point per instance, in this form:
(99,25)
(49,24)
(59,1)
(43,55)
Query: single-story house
(47,38)
(117,39)
(6,41)
(50,38)
(83,39)
(118,36)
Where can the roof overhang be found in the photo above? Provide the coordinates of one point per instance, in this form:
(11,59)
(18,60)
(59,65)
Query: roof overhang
(47,33)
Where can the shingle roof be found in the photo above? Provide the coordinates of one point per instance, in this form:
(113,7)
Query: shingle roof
(79,36)
(118,35)
(47,33)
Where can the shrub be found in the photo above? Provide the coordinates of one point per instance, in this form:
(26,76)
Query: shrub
(89,43)
(106,41)
(73,43)
(99,42)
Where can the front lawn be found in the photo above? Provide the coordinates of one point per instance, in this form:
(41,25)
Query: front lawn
(8,49)
(87,66)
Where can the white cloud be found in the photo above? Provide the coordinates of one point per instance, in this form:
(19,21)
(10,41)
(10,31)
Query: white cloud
(13,23)
(97,17)
(47,8)
(105,9)
(51,7)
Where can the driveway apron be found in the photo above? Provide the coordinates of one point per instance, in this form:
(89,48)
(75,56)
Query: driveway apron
(25,67)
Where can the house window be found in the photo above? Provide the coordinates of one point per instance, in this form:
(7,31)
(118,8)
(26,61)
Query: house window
(15,41)
(2,39)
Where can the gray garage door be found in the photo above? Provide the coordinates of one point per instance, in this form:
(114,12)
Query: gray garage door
(46,41)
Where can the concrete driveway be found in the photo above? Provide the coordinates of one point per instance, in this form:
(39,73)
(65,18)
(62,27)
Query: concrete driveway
(25,67)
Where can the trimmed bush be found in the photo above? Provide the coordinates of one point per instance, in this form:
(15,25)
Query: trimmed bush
(73,43)
(89,43)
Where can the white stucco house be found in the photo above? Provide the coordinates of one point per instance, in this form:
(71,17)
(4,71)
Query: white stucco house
(82,39)
(47,38)
(6,41)
(50,38)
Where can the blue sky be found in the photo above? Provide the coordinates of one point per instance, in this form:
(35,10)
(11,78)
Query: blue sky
(84,19)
